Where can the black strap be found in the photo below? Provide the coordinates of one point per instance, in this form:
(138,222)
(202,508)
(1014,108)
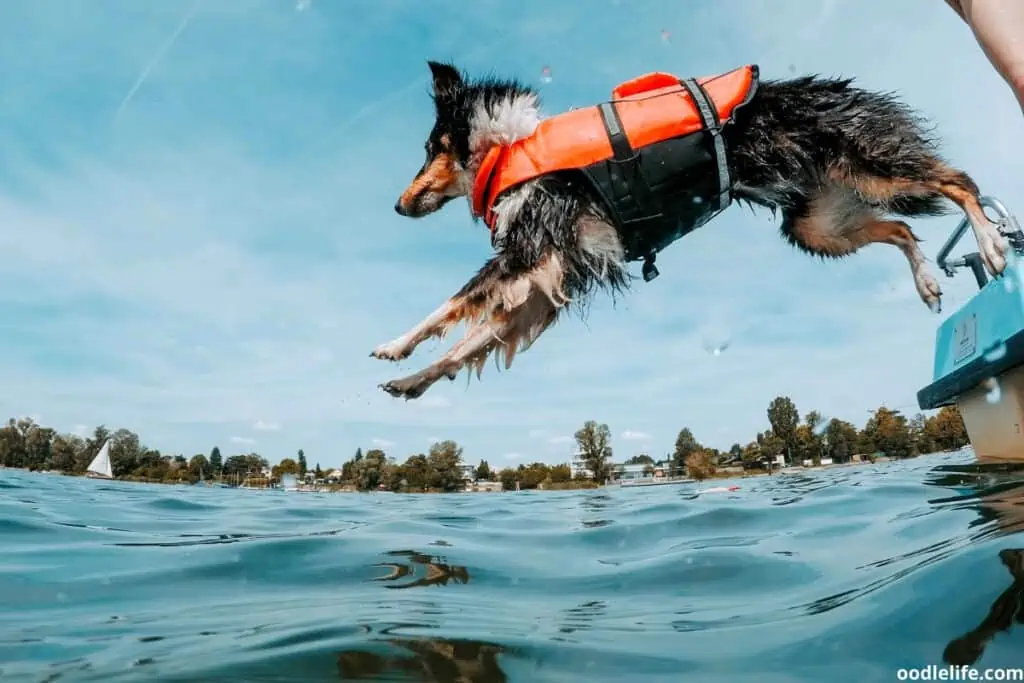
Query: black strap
(709,117)
(627,159)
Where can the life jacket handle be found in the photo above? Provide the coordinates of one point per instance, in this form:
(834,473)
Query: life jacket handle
(645,83)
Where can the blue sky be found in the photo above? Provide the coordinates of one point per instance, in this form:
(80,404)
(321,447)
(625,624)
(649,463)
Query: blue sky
(209,255)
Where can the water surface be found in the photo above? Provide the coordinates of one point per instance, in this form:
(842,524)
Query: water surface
(844,574)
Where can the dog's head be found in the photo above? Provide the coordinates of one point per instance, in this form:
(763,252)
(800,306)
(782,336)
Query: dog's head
(470,117)
(445,174)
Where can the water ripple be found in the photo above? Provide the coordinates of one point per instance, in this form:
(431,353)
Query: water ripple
(847,573)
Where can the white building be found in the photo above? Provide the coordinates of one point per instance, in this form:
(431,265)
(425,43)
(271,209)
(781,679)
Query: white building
(467,471)
(578,467)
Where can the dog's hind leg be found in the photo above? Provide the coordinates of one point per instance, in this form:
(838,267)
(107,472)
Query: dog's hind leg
(939,180)
(837,223)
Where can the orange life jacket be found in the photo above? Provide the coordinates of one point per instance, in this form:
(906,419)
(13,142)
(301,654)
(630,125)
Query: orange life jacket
(654,153)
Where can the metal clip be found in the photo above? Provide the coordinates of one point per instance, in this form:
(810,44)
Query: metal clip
(649,270)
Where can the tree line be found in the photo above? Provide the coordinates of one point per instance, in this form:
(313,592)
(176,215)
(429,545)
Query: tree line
(26,444)
(886,433)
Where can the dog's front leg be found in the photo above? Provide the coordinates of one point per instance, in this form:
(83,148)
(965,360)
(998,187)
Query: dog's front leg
(464,305)
(521,308)
(436,324)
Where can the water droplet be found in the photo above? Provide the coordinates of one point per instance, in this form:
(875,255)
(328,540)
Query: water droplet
(303,5)
(665,35)
(698,200)
(822,426)
(995,353)
(992,391)
(545,75)
(715,339)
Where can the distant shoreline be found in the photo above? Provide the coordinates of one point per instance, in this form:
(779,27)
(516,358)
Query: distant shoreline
(573,485)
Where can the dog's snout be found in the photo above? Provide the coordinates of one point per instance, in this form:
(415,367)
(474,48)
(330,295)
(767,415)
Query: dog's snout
(399,209)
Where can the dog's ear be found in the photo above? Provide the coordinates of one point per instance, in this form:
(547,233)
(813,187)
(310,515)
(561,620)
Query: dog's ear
(447,78)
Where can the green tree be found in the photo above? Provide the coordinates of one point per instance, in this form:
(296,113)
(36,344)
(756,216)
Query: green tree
(784,418)
(642,459)
(812,437)
(920,440)
(560,474)
(368,472)
(770,444)
(751,455)
(594,443)
(286,466)
(946,429)
(198,464)
(840,440)
(65,451)
(508,478)
(301,462)
(444,459)
(416,472)
(889,432)
(533,475)
(125,450)
(216,460)
(38,440)
(685,446)
(483,471)
(700,465)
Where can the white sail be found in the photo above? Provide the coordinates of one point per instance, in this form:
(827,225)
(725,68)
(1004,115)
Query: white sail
(100,465)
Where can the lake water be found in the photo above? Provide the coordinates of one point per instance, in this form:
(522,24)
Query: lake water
(846,574)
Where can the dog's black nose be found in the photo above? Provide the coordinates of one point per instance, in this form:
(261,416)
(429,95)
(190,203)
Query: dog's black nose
(399,209)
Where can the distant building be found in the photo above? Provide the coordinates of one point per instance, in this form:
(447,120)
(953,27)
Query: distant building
(578,467)
(636,472)
(467,471)
(484,487)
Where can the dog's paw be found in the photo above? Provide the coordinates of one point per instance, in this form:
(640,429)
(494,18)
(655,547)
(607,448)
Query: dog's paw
(393,351)
(407,388)
(993,247)
(928,288)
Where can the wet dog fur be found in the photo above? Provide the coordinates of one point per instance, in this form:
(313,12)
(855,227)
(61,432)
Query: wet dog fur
(836,161)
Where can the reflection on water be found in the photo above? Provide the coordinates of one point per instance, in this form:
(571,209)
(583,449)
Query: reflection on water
(1008,606)
(427,660)
(437,572)
(790,578)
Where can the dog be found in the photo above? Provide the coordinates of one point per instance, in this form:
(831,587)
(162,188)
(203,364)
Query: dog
(833,159)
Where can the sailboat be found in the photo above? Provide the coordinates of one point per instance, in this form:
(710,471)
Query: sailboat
(100,467)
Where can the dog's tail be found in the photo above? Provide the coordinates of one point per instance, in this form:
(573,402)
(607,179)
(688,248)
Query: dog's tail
(920,205)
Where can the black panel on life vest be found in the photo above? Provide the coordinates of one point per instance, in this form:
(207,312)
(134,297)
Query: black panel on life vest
(683,179)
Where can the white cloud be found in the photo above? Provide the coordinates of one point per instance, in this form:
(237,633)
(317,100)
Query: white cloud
(215,255)
(630,435)
(262,426)
(382,443)
(560,439)
(513,456)
(242,440)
